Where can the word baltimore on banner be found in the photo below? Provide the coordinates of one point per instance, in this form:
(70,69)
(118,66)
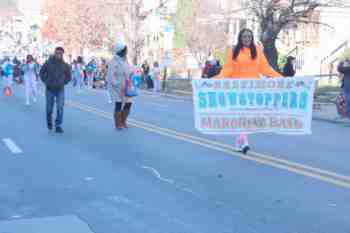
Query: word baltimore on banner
(234,106)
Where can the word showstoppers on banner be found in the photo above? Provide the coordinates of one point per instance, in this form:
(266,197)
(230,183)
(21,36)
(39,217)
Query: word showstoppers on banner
(234,106)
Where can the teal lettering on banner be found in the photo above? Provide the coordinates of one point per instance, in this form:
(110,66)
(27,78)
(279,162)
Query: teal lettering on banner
(268,99)
(285,99)
(281,106)
(243,99)
(293,100)
(259,99)
(303,102)
(232,98)
(213,103)
(222,99)
(277,98)
(251,98)
(203,103)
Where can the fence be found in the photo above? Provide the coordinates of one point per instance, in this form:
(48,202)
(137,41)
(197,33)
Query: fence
(327,87)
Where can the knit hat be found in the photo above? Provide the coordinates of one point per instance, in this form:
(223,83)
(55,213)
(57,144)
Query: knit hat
(118,47)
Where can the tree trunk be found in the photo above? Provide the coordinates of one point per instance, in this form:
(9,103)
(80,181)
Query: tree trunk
(268,37)
(271,53)
(135,56)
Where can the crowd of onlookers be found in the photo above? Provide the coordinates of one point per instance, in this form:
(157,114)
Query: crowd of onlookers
(92,74)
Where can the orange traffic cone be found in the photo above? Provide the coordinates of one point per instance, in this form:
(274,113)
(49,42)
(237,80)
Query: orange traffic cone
(7,91)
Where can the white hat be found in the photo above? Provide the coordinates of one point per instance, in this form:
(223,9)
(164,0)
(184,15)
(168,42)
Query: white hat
(119,46)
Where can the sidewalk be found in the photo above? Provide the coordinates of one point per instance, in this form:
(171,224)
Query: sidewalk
(327,112)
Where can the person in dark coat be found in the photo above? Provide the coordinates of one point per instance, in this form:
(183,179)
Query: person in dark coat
(55,74)
(146,75)
(205,70)
(288,69)
(344,68)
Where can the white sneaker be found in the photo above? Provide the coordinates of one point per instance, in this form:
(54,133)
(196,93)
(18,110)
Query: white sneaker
(27,103)
(34,99)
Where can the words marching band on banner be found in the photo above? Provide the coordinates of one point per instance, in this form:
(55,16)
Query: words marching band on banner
(232,106)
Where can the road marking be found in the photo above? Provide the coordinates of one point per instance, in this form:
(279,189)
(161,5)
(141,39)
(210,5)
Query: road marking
(174,98)
(157,174)
(157,104)
(297,168)
(89,178)
(12,146)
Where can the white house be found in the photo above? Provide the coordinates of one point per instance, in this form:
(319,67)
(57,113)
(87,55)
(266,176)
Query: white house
(158,29)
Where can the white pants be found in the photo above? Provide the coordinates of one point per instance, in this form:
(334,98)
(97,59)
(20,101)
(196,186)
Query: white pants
(79,82)
(90,79)
(156,84)
(31,87)
(7,81)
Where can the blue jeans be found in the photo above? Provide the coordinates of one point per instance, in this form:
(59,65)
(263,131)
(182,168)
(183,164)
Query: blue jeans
(52,97)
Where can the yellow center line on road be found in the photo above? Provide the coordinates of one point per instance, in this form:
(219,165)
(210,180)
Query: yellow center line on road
(145,94)
(154,103)
(157,104)
(297,168)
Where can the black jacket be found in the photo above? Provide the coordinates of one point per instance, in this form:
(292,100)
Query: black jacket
(288,70)
(55,74)
(345,70)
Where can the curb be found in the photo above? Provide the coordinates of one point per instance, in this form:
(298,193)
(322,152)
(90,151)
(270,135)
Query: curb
(170,95)
(338,122)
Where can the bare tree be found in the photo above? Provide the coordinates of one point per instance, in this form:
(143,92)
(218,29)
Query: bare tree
(275,15)
(131,16)
(83,24)
(76,23)
(203,35)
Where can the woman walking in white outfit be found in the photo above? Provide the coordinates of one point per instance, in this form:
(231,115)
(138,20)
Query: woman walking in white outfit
(78,73)
(30,79)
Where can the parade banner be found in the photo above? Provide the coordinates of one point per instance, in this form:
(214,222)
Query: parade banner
(234,106)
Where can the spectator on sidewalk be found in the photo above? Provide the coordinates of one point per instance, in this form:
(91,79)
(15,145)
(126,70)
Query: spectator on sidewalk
(7,76)
(55,74)
(91,70)
(156,77)
(288,69)
(215,68)
(78,73)
(344,68)
(205,70)
(146,75)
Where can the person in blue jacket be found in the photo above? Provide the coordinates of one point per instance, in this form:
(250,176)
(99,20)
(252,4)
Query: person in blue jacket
(7,74)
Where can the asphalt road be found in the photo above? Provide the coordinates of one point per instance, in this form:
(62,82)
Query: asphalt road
(161,176)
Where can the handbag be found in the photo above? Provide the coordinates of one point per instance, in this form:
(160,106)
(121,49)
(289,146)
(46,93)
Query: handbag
(130,89)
